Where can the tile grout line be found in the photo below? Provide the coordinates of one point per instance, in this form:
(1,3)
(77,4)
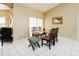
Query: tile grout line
(71,48)
(16,49)
(33,51)
(58,50)
(28,51)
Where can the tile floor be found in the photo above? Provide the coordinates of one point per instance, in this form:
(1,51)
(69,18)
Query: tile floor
(65,47)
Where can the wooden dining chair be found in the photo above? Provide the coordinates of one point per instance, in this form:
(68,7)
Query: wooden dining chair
(51,38)
(34,41)
(54,31)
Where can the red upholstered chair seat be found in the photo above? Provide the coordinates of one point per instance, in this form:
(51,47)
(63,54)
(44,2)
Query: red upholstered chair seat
(48,37)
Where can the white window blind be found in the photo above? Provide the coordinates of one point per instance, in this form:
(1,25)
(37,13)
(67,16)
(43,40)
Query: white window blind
(35,24)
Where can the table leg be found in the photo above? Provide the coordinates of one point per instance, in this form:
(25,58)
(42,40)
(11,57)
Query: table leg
(42,42)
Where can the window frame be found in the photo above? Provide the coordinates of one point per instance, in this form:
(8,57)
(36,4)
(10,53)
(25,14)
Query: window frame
(35,25)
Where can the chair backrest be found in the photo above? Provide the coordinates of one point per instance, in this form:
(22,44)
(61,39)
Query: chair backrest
(6,31)
(57,29)
(54,31)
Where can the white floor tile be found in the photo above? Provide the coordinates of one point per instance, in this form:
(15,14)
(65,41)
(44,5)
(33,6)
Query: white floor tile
(65,47)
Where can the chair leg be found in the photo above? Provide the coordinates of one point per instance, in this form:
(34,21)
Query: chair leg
(42,42)
(56,39)
(1,42)
(29,45)
(49,44)
(54,42)
(38,44)
(32,46)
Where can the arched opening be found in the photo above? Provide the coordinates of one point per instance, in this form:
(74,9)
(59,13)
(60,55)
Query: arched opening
(5,16)
(6,20)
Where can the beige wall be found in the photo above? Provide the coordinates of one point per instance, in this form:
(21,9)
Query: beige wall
(21,16)
(69,13)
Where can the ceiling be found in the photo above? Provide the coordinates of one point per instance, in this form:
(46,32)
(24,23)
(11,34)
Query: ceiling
(8,4)
(41,6)
(4,7)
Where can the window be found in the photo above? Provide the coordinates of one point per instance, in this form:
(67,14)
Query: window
(2,21)
(36,24)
